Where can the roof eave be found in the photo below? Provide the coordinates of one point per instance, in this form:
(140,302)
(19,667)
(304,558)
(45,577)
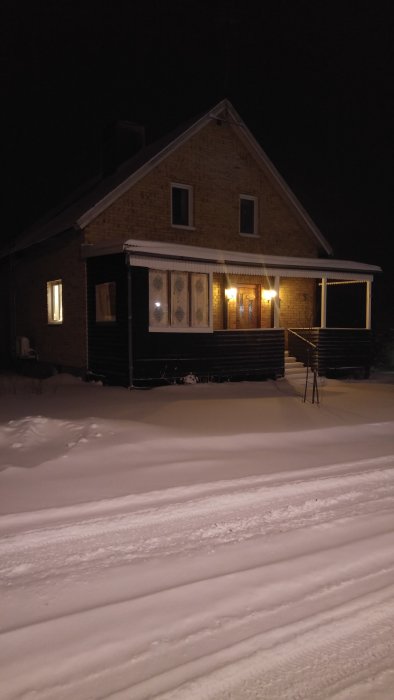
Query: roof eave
(224,257)
(262,156)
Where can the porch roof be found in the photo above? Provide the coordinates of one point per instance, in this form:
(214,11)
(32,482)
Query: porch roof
(171,256)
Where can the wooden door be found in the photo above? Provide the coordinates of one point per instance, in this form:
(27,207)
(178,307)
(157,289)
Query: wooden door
(248,306)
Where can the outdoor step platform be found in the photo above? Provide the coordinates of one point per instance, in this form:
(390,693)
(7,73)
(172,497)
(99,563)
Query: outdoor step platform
(295,371)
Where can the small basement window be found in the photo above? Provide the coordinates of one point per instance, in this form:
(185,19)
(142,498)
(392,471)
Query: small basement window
(248,215)
(106,302)
(55,301)
(181,205)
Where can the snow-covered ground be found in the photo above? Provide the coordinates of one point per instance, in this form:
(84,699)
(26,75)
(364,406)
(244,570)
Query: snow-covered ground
(196,542)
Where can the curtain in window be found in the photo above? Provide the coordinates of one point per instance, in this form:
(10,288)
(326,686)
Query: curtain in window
(106,301)
(179,299)
(199,300)
(158,298)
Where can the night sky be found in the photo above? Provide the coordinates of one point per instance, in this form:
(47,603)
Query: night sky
(313,80)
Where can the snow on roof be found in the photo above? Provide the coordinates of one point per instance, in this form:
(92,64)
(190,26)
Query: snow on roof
(160,254)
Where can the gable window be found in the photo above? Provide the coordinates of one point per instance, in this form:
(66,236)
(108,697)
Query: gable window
(55,301)
(181,205)
(105,302)
(178,300)
(248,215)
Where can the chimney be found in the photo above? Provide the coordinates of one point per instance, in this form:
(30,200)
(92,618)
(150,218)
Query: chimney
(121,141)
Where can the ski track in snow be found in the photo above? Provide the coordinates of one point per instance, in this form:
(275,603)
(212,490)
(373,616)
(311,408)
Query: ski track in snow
(264,587)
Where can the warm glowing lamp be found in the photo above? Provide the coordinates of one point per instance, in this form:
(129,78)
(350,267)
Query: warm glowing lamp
(231,293)
(269,294)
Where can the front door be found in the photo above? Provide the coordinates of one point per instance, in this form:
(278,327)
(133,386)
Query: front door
(248,307)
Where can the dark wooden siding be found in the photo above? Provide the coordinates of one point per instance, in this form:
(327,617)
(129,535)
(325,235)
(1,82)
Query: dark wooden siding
(339,350)
(162,357)
(108,342)
(224,354)
(219,355)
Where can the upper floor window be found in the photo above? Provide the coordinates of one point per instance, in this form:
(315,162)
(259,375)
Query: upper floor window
(181,205)
(248,215)
(55,301)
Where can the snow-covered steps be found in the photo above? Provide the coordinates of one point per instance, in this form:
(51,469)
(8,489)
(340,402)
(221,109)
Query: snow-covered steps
(294,370)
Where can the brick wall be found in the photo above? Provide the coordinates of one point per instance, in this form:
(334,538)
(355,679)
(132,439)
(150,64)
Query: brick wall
(218,287)
(219,168)
(297,302)
(63,344)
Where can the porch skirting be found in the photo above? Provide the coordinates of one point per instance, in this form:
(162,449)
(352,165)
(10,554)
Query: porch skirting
(221,355)
(339,351)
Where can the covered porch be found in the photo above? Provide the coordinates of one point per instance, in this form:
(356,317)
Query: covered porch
(231,315)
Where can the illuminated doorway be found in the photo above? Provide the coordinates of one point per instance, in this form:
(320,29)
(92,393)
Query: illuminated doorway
(248,306)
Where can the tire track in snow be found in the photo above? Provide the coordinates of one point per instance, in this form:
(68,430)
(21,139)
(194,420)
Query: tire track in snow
(202,523)
(285,576)
(327,660)
(16,522)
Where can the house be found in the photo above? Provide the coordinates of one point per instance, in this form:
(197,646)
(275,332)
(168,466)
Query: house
(193,256)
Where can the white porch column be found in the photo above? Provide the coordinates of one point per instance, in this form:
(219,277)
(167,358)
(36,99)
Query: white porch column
(276,303)
(323,311)
(368,305)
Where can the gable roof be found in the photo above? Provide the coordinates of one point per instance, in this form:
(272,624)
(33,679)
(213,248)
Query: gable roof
(102,194)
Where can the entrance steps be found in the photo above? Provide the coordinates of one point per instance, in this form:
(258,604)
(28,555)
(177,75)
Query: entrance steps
(294,371)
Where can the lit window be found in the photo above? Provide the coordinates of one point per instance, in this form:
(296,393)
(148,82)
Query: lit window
(248,215)
(178,300)
(181,205)
(158,298)
(106,302)
(55,301)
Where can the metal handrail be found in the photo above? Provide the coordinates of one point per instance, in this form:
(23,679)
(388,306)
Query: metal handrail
(290,330)
(315,390)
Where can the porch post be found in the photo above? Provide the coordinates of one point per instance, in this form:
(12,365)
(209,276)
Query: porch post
(276,303)
(323,311)
(368,305)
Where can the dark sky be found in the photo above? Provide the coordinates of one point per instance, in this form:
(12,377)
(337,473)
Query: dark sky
(313,80)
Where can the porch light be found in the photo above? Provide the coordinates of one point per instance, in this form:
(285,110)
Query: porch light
(231,293)
(268,294)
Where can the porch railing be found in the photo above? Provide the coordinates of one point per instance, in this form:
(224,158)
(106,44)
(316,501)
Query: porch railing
(307,352)
(340,351)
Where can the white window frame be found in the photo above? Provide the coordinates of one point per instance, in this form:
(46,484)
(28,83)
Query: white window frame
(189,189)
(55,302)
(249,198)
(168,328)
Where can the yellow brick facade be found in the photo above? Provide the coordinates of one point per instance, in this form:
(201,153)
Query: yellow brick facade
(297,301)
(219,168)
(62,344)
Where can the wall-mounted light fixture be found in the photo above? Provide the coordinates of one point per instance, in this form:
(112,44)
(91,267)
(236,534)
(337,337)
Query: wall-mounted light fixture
(231,293)
(268,294)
